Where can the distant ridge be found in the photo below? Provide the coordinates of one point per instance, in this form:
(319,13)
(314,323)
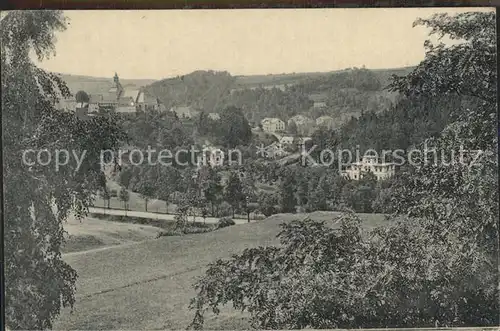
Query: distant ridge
(96,85)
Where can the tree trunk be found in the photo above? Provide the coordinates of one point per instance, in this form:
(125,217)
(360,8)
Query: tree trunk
(146,204)
(248,216)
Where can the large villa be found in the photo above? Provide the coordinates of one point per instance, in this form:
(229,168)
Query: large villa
(369,163)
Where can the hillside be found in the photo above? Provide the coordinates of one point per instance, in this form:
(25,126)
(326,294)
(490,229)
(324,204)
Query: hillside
(148,285)
(252,81)
(93,233)
(200,89)
(212,90)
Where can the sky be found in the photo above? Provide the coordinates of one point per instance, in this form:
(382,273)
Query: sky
(156,44)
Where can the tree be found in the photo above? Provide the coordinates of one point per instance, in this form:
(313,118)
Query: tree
(213,190)
(147,190)
(302,191)
(38,282)
(105,195)
(167,184)
(233,192)
(234,129)
(317,200)
(287,192)
(267,203)
(292,128)
(249,192)
(82,96)
(124,196)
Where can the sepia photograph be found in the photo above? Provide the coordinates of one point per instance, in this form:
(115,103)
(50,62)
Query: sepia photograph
(238,169)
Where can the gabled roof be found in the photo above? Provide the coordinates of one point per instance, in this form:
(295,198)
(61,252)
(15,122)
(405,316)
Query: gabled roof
(186,111)
(144,97)
(131,94)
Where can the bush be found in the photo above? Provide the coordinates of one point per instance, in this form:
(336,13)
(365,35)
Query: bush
(99,216)
(170,233)
(113,193)
(225,222)
(225,209)
(259,217)
(197,229)
(322,277)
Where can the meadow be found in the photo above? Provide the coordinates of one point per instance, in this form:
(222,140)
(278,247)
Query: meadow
(148,284)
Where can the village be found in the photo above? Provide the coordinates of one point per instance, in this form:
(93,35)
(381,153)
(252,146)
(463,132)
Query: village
(290,136)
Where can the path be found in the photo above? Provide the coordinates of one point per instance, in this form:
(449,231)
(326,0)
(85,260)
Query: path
(166,217)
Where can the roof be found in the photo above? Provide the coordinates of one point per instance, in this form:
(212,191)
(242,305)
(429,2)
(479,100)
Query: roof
(131,94)
(186,111)
(144,97)
(271,119)
(125,109)
(300,119)
(109,98)
(324,118)
(126,101)
(286,138)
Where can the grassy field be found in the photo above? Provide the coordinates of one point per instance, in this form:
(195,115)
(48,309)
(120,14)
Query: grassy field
(148,285)
(94,233)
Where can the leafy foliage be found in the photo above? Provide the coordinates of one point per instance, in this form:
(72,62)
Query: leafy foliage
(323,277)
(38,198)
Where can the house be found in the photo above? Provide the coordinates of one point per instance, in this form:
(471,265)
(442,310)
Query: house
(319,100)
(272,124)
(184,111)
(304,124)
(287,140)
(325,121)
(274,150)
(319,104)
(145,101)
(369,163)
(214,116)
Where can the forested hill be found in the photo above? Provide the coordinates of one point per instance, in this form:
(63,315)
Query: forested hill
(200,89)
(285,95)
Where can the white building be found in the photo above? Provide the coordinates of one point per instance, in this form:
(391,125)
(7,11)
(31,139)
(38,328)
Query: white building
(275,150)
(319,100)
(287,140)
(272,124)
(214,116)
(319,104)
(369,163)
